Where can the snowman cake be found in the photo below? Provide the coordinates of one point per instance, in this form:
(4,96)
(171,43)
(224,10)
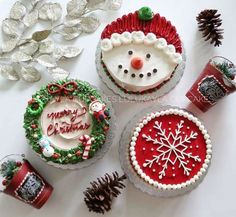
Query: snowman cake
(140,51)
(66,122)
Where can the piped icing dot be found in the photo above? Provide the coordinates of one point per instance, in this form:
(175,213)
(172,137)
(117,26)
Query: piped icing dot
(126,71)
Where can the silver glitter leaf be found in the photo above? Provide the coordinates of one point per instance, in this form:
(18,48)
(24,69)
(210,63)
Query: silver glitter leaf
(71,22)
(30,74)
(69,33)
(89,24)
(50,11)
(46,47)
(67,52)
(96,4)
(58,73)
(9,45)
(10,27)
(31,18)
(46,60)
(29,48)
(34,2)
(76,8)
(18,10)
(41,35)
(8,72)
(19,56)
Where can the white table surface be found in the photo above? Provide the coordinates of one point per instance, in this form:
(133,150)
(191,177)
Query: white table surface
(214,197)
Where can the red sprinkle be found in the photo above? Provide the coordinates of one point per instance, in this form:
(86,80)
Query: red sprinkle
(18,164)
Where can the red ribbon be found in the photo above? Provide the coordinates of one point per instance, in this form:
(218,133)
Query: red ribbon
(62,89)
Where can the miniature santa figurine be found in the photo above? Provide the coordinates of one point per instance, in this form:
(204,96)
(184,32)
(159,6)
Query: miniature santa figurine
(98,110)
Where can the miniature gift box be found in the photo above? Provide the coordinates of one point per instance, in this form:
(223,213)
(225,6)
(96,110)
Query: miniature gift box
(21,181)
(216,81)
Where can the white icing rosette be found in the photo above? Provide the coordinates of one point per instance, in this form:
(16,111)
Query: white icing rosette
(138,178)
(126,38)
(106,45)
(150,39)
(138,37)
(115,39)
(161,43)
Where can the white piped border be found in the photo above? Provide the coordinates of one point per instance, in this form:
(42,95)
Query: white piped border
(138,37)
(193,181)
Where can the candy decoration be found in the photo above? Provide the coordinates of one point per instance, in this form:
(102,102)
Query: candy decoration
(145,13)
(87,142)
(137,63)
(78,153)
(47,149)
(4,182)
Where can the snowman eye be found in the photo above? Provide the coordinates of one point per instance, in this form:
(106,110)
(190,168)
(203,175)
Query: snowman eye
(130,52)
(148,56)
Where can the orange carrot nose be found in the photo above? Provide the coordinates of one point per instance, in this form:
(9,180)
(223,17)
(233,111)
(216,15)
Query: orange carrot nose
(137,63)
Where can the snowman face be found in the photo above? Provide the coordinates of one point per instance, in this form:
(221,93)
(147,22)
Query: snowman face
(139,66)
(96,106)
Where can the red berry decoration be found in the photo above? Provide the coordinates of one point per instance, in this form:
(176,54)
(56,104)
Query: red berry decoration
(56,156)
(19,164)
(31,101)
(4,182)
(78,153)
(33,126)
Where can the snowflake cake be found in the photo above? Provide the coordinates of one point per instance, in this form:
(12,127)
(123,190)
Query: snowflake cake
(170,150)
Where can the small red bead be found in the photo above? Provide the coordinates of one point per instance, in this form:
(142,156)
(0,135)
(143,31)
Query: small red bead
(137,63)
(18,164)
(4,182)
(56,156)
(33,126)
(78,153)
(31,101)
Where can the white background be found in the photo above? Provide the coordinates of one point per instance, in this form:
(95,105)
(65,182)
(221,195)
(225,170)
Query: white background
(214,197)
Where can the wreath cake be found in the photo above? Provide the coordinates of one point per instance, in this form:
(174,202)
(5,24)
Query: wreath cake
(140,51)
(170,151)
(66,122)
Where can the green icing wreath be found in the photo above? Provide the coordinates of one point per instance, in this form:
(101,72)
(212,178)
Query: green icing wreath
(35,108)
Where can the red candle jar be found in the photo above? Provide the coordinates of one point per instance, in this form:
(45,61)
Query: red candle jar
(216,81)
(21,181)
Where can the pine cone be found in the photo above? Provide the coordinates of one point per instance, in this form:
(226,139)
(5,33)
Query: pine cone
(209,22)
(98,197)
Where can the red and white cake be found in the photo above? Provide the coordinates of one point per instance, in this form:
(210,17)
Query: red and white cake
(140,51)
(171,151)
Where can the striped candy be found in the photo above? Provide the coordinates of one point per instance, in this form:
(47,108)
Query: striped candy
(87,142)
